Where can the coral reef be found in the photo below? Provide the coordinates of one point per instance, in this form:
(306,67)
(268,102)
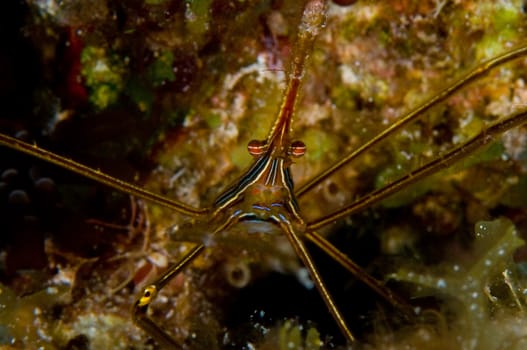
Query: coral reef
(167,94)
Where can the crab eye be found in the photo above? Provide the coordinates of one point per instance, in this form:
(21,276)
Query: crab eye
(297,149)
(256,147)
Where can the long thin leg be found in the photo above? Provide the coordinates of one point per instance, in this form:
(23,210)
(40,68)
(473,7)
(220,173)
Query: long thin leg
(98,176)
(359,272)
(476,73)
(140,308)
(308,262)
(443,161)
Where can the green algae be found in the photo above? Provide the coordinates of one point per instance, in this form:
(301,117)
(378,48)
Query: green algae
(502,18)
(107,331)
(478,287)
(392,173)
(290,337)
(161,70)
(155,2)
(320,144)
(213,120)
(198,154)
(198,18)
(516,195)
(103,75)
(28,319)
(141,95)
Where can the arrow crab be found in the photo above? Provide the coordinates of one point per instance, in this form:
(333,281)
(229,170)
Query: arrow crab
(168,95)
